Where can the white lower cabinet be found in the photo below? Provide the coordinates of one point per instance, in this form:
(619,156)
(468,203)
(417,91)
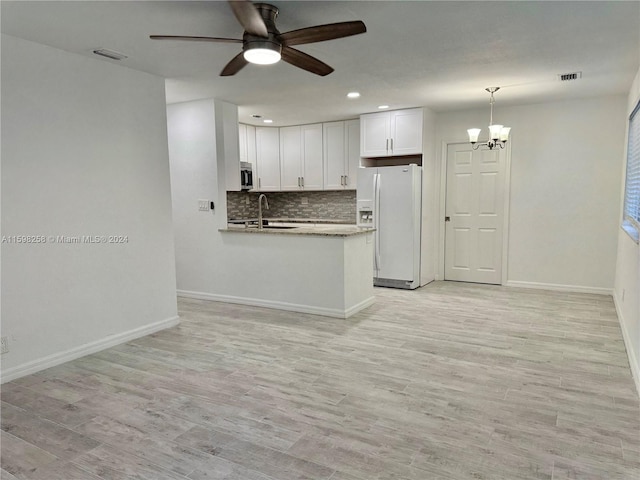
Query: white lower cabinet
(341,154)
(301,157)
(267,172)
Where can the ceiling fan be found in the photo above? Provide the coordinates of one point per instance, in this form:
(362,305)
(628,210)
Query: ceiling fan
(262,43)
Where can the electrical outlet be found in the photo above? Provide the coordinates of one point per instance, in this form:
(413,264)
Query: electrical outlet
(4,345)
(203,205)
(247,200)
(305,201)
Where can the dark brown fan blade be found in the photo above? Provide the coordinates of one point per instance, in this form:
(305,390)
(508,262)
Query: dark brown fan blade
(194,39)
(320,33)
(249,17)
(236,64)
(306,62)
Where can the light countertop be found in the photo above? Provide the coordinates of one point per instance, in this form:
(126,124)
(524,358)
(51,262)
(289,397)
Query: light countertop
(294,228)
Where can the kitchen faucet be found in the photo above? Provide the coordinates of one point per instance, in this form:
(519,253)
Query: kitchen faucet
(266,204)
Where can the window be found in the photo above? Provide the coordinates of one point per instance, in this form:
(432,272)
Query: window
(631,216)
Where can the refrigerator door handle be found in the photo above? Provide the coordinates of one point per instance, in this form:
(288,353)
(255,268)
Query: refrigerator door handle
(376,216)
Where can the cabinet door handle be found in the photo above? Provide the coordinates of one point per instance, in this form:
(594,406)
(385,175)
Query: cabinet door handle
(302,180)
(392,144)
(259,182)
(298,181)
(387,147)
(346,180)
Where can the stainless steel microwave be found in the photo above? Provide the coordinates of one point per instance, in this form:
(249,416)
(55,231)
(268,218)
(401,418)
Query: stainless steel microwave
(246,176)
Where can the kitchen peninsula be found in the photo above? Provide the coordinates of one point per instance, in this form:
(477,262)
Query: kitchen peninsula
(322,269)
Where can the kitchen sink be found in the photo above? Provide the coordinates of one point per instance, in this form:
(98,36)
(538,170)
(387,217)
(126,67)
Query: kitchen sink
(272,227)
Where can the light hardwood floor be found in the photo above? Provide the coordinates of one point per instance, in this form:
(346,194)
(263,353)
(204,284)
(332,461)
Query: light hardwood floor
(452,381)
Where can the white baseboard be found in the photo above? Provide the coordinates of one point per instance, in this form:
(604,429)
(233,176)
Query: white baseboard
(290,307)
(86,349)
(360,306)
(633,359)
(559,287)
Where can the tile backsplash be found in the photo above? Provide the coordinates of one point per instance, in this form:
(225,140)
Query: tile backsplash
(330,205)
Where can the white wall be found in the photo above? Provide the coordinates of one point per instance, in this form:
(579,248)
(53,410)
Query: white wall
(565,189)
(430,190)
(194,175)
(627,280)
(84,152)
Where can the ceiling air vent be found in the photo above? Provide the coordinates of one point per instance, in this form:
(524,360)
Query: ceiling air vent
(566,77)
(109,54)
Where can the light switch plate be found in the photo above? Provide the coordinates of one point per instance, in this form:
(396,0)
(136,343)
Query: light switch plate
(204,205)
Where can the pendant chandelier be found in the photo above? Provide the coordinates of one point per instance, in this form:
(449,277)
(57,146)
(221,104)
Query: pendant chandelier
(498,134)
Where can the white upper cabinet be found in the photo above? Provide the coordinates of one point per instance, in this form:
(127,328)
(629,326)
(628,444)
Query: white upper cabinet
(290,154)
(242,138)
(341,154)
(247,137)
(374,134)
(251,146)
(301,157)
(267,172)
(406,131)
(386,134)
(352,128)
(312,157)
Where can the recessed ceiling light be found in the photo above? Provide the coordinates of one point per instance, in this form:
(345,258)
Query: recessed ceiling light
(353,94)
(383,107)
(267,120)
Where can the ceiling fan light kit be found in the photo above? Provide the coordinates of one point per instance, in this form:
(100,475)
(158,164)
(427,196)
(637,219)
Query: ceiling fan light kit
(262,53)
(263,44)
(498,134)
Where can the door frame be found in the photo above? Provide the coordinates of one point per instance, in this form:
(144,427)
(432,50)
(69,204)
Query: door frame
(442,210)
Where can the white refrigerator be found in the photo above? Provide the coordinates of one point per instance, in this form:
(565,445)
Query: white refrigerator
(389,199)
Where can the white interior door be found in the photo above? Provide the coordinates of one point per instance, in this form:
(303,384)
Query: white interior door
(475,213)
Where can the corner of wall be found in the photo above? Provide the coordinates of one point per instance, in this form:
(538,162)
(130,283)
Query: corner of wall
(627,275)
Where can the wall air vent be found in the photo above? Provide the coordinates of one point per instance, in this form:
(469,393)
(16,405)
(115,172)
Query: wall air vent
(567,77)
(109,54)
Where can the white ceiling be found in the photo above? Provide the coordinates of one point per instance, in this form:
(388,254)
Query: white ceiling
(415,53)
